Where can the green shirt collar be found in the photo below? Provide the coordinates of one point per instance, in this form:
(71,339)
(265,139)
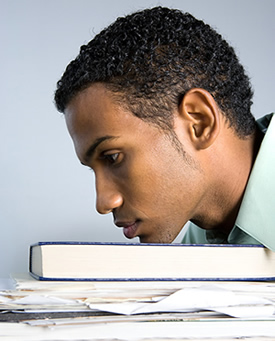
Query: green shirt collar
(257,213)
(255,223)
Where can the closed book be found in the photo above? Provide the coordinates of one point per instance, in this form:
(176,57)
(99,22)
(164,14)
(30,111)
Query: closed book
(84,261)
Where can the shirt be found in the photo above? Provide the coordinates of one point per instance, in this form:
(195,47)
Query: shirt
(255,223)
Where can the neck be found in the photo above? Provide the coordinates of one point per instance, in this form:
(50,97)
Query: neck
(229,183)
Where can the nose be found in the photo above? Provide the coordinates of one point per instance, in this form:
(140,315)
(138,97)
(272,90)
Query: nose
(108,197)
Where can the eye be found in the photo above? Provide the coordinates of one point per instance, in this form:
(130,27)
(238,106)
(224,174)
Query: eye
(113,158)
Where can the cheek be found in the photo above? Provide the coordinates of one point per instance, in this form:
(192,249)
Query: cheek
(150,183)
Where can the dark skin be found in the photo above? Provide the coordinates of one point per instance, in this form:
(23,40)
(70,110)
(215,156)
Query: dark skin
(151,186)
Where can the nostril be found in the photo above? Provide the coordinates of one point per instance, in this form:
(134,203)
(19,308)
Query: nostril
(107,203)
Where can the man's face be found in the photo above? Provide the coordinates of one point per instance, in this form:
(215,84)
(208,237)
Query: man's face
(140,176)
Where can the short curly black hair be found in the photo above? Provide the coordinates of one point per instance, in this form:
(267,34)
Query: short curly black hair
(151,58)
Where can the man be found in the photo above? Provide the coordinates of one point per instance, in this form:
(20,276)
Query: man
(158,106)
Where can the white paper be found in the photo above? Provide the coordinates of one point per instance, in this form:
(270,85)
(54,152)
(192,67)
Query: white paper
(43,300)
(6,284)
(208,297)
(132,331)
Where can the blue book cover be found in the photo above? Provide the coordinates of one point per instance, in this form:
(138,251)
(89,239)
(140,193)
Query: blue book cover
(89,261)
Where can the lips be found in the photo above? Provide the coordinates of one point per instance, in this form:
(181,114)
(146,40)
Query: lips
(129,229)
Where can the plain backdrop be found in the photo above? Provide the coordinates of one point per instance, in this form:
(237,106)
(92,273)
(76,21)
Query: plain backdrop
(45,194)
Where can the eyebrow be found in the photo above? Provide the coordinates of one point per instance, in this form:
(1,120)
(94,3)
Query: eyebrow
(91,150)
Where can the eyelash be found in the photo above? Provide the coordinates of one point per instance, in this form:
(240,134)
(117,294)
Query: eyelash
(110,158)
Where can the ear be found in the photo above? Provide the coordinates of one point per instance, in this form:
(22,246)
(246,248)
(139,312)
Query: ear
(201,117)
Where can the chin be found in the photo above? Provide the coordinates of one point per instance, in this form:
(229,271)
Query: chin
(152,240)
(146,239)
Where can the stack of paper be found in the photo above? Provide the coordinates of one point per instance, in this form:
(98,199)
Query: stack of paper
(136,310)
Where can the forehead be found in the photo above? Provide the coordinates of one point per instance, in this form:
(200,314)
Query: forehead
(94,113)
(91,106)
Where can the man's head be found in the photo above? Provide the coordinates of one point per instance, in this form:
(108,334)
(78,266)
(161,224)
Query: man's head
(150,59)
(144,103)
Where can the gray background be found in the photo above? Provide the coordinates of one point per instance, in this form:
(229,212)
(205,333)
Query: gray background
(45,194)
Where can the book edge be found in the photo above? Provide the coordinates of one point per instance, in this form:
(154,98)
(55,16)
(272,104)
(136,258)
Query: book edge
(163,279)
(144,244)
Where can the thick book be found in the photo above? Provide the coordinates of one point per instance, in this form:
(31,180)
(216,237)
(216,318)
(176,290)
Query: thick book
(84,261)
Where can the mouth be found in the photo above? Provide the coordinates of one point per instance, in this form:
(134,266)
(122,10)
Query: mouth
(129,228)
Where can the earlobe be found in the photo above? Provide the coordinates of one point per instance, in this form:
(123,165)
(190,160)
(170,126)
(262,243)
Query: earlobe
(202,116)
